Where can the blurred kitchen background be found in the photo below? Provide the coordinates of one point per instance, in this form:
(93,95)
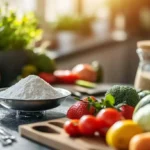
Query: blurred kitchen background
(42,36)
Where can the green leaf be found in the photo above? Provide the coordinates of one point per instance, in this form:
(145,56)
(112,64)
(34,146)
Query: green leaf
(108,105)
(109,99)
(90,99)
(98,105)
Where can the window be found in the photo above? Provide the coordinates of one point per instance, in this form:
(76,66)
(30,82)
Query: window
(53,8)
(48,10)
(21,5)
(90,7)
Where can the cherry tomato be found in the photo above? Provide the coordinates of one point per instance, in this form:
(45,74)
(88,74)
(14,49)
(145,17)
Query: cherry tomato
(106,118)
(127,111)
(72,128)
(66,76)
(102,127)
(48,77)
(88,125)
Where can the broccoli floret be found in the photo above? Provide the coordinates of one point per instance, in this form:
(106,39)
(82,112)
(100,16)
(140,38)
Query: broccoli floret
(124,94)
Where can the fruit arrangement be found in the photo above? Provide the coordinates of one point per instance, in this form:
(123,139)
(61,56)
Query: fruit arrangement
(82,74)
(121,118)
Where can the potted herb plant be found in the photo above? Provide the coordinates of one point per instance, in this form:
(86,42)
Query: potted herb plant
(18,36)
(69,28)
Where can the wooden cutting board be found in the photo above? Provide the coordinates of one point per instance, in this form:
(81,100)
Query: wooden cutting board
(51,133)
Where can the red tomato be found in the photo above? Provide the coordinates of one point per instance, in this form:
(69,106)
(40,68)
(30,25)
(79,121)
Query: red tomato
(127,111)
(66,76)
(106,118)
(88,125)
(48,77)
(102,127)
(72,128)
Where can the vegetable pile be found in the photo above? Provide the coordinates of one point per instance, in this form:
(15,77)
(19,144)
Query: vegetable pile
(45,67)
(88,124)
(81,74)
(121,118)
(85,75)
(39,64)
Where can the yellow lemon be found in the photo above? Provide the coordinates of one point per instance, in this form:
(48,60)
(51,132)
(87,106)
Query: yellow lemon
(121,132)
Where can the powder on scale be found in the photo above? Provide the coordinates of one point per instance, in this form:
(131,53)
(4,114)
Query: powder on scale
(32,87)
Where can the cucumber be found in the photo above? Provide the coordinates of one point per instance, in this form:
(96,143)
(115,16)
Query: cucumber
(86,84)
(144,93)
(141,113)
(144,101)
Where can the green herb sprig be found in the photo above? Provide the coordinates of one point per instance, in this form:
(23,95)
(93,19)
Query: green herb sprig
(17,33)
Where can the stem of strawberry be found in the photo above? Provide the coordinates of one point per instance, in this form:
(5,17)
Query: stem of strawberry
(107,102)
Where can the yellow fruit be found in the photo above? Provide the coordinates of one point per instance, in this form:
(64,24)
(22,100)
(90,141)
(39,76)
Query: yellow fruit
(121,132)
(28,69)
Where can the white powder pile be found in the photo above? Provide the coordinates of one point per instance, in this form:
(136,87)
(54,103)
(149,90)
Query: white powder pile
(31,87)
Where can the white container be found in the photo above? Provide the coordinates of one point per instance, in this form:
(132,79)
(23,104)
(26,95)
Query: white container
(100,27)
(66,39)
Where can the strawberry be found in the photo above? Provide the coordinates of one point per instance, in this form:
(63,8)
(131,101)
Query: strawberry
(80,108)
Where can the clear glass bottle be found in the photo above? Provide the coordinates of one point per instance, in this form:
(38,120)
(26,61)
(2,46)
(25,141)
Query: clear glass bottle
(142,79)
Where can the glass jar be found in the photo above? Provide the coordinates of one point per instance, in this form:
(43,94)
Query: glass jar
(142,79)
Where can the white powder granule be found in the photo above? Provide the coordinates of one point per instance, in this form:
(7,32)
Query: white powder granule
(31,88)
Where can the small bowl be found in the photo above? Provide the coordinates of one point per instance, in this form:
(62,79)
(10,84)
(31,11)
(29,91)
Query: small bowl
(34,105)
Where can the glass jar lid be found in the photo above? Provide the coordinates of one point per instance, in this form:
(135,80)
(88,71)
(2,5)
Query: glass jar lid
(144,45)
